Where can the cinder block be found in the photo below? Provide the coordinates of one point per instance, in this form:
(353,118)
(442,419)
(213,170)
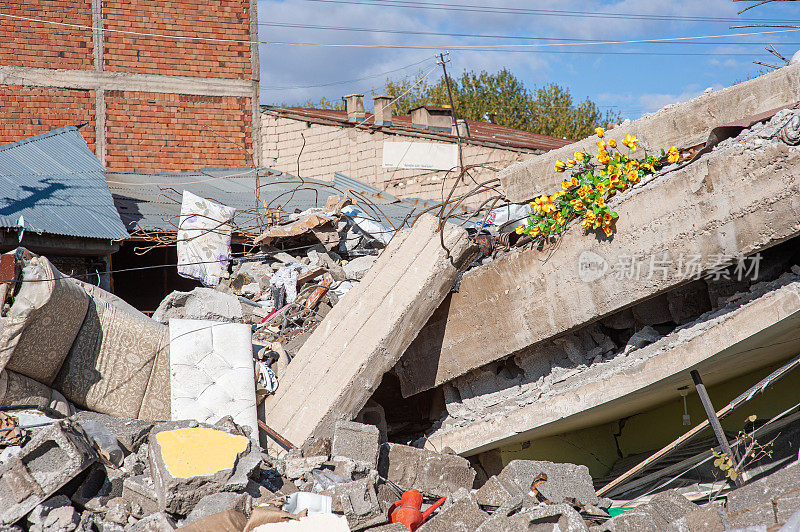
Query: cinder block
(53,457)
(764,489)
(358,501)
(356,441)
(140,490)
(708,518)
(431,473)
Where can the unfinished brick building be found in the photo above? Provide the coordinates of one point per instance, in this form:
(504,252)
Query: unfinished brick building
(148,103)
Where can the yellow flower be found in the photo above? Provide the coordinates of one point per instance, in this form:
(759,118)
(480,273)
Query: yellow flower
(599,131)
(520,229)
(673,156)
(560,165)
(578,156)
(534,232)
(630,141)
(611,168)
(600,201)
(615,181)
(612,143)
(539,203)
(570,163)
(601,145)
(577,204)
(587,223)
(649,166)
(603,159)
(606,218)
(601,188)
(575,181)
(566,185)
(560,220)
(585,189)
(608,231)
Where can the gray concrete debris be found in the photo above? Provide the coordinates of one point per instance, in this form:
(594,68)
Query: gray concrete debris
(157,522)
(462,516)
(431,473)
(708,518)
(391,527)
(497,492)
(356,441)
(179,495)
(358,501)
(40,514)
(131,433)
(358,267)
(764,489)
(140,490)
(655,516)
(200,304)
(297,467)
(53,457)
(219,502)
(563,480)
(118,510)
(60,519)
(544,518)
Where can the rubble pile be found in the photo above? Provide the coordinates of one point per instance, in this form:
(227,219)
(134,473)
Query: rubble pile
(131,475)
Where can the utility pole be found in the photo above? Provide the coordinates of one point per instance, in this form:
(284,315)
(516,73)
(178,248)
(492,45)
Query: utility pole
(442,61)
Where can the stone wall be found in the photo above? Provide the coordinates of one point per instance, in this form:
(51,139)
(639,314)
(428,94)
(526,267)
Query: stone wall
(318,150)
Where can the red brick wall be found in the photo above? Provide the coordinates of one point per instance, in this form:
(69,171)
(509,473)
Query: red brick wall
(35,44)
(218,19)
(28,111)
(149,132)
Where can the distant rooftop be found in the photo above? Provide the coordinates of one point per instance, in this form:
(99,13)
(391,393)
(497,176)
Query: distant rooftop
(479,132)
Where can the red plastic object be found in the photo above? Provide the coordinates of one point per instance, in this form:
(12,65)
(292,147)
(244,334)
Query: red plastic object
(408,513)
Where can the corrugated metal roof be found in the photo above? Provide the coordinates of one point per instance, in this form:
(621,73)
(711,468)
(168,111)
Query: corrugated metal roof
(58,186)
(153,201)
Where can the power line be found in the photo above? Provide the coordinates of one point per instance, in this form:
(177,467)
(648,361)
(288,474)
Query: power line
(277,24)
(483,47)
(472,8)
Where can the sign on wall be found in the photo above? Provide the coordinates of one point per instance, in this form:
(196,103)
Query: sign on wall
(420,155)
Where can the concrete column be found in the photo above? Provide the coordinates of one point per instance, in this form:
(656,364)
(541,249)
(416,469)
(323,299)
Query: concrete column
(98,42)
(255,74)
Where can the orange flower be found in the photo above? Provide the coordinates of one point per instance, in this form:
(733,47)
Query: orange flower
(608,231)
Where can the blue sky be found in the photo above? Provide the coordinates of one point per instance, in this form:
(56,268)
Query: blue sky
(634,79)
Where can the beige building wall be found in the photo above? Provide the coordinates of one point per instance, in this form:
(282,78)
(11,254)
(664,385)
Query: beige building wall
(317,151)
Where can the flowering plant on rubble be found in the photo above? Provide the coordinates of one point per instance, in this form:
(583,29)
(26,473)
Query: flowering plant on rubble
(585,193)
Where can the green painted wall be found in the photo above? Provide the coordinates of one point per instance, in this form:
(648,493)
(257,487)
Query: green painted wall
(648,431)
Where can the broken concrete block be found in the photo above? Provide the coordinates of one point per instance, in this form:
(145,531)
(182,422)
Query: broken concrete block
(708,518)
(357,442)
(157,522)
(219,502)
(59,519)
(365,334)
(462,516)
(759,515)
(187,464)
(358,501)
(431,473)
(563,480)
(297,467)
(358,267)
(53,457)
(41,511)
(764,489)
(131,433)
(786,505)
(391,527)
(200,304)
(655,516)
(118,510)
(140,490)
(497,492)
(546,518)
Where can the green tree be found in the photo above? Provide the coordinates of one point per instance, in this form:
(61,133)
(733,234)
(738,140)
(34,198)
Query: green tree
(549,110)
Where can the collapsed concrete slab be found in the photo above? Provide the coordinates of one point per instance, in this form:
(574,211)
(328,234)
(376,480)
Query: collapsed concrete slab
(737,200)
(761,324)
(342,363)
(682,125)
